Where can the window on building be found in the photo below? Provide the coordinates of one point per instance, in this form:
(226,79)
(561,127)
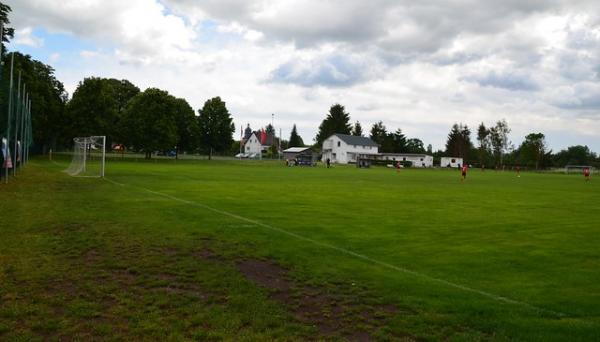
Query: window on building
(339,144)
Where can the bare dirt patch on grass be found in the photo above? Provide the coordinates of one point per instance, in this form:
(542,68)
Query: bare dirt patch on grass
(336,311)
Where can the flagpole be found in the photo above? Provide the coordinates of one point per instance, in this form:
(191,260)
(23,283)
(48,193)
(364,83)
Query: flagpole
(29,129)
(12,64)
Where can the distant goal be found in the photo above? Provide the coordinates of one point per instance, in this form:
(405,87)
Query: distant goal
(89,157)
(579,169)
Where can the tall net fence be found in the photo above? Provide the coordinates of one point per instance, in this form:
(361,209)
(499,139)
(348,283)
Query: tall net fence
(89,155)
(16,136)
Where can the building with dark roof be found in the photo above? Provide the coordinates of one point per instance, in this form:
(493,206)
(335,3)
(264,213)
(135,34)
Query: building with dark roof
(343,148)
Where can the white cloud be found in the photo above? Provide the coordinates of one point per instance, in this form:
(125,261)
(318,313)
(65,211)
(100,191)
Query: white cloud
(25,37)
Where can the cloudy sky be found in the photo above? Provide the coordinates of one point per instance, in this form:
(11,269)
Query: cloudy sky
(415,65)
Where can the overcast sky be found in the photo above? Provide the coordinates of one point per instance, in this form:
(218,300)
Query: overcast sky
(415,65)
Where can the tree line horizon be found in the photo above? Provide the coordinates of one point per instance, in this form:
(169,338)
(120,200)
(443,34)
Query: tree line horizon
(154,120)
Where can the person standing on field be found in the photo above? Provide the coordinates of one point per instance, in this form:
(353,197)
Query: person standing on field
(586,174)
(464,170)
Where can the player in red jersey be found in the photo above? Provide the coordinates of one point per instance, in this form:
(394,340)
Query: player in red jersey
(586,173)
(463,171)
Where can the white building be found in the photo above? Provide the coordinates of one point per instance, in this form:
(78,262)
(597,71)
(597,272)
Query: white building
(417,160)
(343,148)
(451,162)
(253,147)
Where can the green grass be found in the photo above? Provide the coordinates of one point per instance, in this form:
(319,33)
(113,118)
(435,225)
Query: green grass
(496,257)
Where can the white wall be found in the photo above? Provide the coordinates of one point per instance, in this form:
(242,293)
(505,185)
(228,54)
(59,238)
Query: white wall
(417,161)
(338,151)
(452,161)
(253,145)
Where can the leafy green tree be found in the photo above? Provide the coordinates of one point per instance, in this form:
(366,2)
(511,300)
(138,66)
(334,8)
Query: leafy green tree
(357,129)
(48,97)
(395,142)
(215,126)
(270,130)
(533,149)
(97,107)
(337,121)
(459,141)
(574,155)
(149,121)
(378,133)
(9,32)
(483,138)
(499,140)
(295,139)
(415,145)
(187,127)
(430,149)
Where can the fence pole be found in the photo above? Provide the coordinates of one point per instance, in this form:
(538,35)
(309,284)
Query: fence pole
(17,109)
(12,64)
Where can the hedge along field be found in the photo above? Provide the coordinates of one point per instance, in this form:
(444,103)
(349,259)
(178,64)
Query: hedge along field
(255,250)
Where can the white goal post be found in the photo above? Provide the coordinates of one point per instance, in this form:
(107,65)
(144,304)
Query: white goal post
(89,157)
(579,169)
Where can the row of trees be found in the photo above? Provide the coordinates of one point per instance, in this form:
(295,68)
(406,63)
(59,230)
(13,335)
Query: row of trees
(148,121)
(338,121)
(493,149)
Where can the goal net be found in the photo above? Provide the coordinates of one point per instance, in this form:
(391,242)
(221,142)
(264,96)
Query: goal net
(89,154)
(578,169)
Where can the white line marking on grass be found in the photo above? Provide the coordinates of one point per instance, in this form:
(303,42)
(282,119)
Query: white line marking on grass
(354,254)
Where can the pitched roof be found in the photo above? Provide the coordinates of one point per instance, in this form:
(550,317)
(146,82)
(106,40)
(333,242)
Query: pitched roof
(356,140)
(296,149)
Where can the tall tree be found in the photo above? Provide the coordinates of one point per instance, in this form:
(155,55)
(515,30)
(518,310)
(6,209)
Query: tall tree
(9,32)
(483,137)
(149,121)
(247,132)
(48,97)
(337,121)
(415,145)
(459,141)
(357,129)
(97,107)
(215,126)
(395,142)
(499,140)
(574,155)
(295,139)
(534,148)
(270,130)
(378,133)
(187,127)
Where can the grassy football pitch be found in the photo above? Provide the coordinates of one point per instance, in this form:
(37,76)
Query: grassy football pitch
(230,250)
